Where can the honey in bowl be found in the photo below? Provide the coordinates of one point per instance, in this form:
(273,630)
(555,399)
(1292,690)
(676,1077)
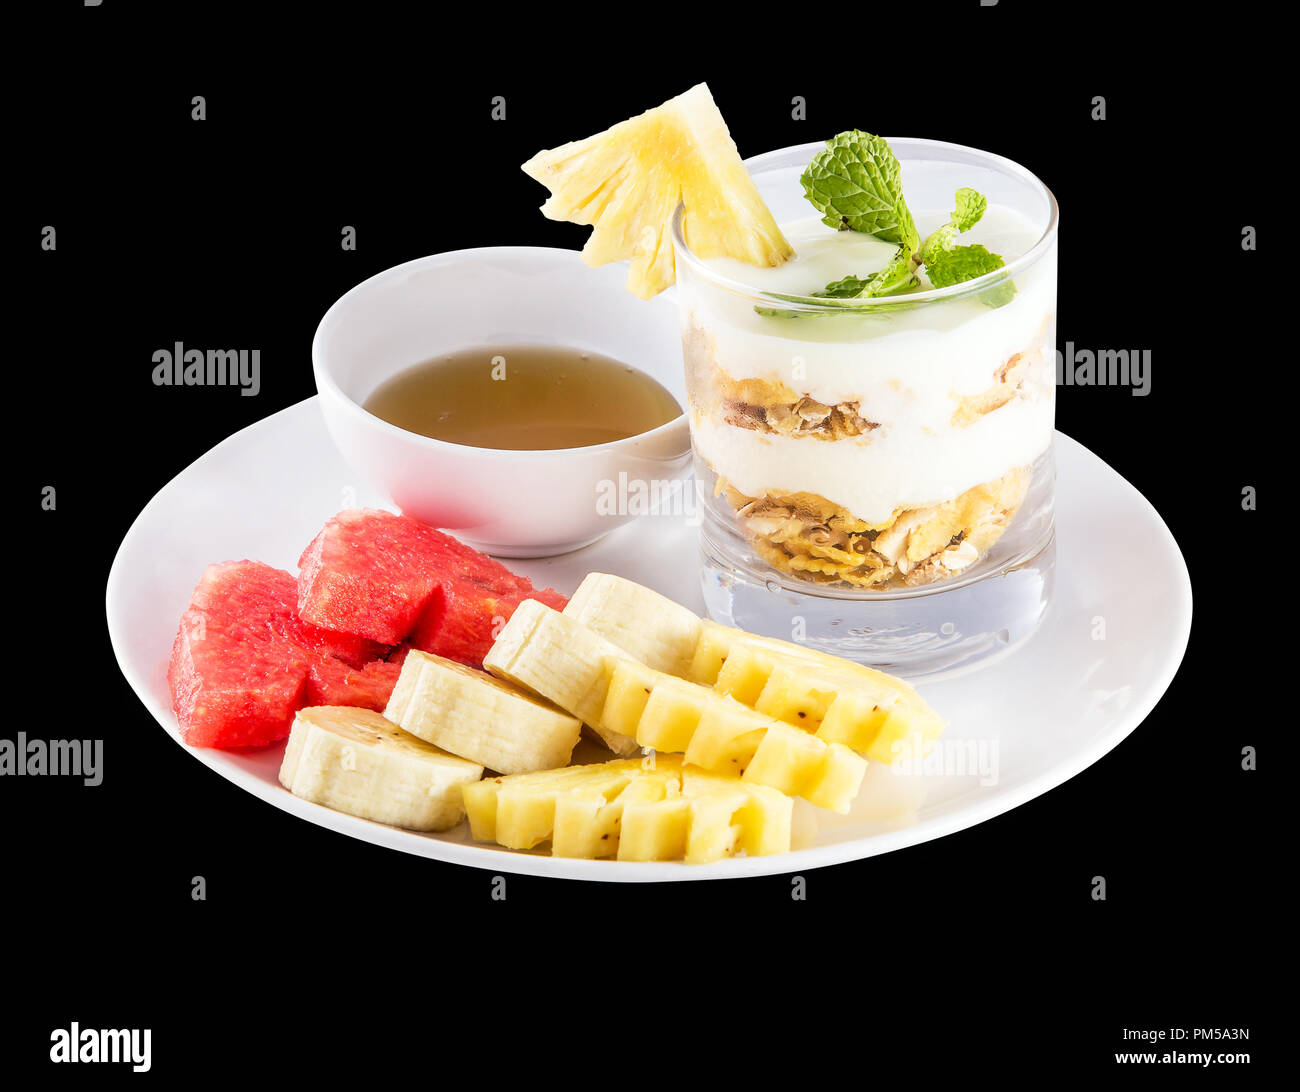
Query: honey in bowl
(523,398)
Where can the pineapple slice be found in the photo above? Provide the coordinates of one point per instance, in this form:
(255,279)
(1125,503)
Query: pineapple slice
(718,642)
(876,720)
(874,714)
(632,809)
(630,704)
(722,736)
(628,181)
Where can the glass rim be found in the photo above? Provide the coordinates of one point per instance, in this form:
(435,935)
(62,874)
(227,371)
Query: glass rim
(823,304)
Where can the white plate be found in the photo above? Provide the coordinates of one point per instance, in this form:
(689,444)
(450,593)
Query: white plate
(1109,646)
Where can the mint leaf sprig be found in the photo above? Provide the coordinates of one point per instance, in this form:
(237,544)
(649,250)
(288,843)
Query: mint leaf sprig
(855,182)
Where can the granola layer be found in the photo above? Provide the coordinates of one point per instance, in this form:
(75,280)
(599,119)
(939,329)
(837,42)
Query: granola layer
(806,534)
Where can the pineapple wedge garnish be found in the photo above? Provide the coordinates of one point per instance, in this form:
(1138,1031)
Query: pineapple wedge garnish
(628,181)
(630,809)
(877,715)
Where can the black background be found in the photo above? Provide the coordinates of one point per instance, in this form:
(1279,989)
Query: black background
(983,949)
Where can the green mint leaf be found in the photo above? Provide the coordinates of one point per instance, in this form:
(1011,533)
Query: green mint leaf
(971,206)
(848,288)
(961,263)
(965,263)
(855,183)
(937,242)
(1002,292)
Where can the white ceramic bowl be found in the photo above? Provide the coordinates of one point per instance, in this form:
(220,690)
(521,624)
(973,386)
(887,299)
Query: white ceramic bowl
(512,503)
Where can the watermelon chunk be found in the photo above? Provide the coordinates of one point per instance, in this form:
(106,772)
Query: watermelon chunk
(368,573)
(240,694)
(468,612)
(332,682)
(389,578)
(351,648)
(243,662)
(256,644)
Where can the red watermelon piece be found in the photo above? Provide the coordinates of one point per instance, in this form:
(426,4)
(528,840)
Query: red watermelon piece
(349,647)
(256,644)
(389,578)
(398,655)
(237,672)
(469,610)
(368,573)
(243,662)
(332,682)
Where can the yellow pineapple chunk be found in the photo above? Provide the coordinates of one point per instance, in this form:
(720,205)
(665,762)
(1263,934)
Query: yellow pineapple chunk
(671,715)
(628,181)
(632,809)
(789,695)
(828,775)
(626,697)
(726,737)
(744,674)
(839,701)
(887,731)
(730,815)
(525,819)
(720,735)
(656,821)
(653,708)
(587,825)
(711,652)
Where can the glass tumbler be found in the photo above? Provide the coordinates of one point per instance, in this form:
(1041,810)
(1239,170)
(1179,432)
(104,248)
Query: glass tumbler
(877,475)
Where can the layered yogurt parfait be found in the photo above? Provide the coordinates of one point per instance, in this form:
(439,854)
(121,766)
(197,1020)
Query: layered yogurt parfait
(877,441)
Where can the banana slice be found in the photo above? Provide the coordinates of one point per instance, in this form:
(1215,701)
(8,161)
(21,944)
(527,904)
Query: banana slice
(561,660)
(646,625)
(479,717)
(358,762)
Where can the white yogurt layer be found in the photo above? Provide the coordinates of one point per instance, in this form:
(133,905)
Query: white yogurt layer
(934,352)
(907,370)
